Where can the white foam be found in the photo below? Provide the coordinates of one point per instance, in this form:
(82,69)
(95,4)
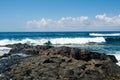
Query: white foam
(54,41)
(111,34)
(21,54)
(7,41)
(4,50)
(117,56)
(77,40)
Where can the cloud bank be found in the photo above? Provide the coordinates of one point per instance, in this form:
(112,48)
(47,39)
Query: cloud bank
(83,23)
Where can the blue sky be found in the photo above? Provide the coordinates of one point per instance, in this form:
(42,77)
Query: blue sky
(59,15)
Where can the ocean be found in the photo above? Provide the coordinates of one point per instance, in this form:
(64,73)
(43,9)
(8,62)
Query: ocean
(102,42)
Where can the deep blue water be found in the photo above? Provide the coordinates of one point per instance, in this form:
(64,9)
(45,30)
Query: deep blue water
(21,35)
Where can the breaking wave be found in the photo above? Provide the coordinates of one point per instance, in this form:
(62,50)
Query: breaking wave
(109,34)
(54,41)
(4,50)
(117,55)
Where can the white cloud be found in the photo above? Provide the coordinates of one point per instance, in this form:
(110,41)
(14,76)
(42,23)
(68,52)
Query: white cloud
(100,22)
(106,19)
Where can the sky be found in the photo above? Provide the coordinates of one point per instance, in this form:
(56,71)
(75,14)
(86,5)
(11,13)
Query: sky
(59,15)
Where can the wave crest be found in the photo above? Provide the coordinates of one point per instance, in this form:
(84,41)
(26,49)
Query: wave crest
(109,34)
(54,41)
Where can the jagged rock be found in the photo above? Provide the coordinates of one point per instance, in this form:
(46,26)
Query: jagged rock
(64,51)
(57,67)
(78,54)
(27,49)
(61,63)
(5,55)
(113,58)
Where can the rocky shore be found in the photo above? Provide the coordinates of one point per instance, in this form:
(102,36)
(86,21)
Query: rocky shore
(60,63)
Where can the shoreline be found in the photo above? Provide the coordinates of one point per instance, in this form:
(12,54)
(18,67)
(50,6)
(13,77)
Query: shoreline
(91,64)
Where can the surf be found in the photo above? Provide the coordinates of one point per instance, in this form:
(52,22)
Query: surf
(104,34)
(62,41)
(4,50)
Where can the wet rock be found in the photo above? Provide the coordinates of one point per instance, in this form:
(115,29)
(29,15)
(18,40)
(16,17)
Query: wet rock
(113,58)
(5,55)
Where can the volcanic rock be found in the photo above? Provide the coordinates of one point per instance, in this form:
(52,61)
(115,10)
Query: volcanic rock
(57,67)
(27,49)
(78,54)
(61,63)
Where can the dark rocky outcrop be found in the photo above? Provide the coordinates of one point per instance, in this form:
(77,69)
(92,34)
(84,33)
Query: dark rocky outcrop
(27,49)
(57,67)
(64,51)
(78,54)
(61,63)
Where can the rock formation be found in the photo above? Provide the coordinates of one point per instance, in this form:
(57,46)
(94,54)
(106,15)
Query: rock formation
(61,63)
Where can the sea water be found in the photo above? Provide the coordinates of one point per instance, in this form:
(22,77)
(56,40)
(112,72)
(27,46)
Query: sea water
(102,42)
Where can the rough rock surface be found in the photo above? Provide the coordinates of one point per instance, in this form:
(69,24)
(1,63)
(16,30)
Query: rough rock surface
(57,67)
(27,49)
(64,51)
(78,54)
(63,63)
